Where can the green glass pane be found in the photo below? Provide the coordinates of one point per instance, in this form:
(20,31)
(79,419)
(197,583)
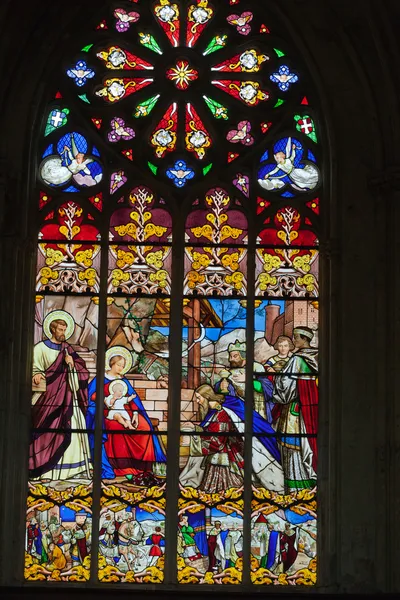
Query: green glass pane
(279,53)
(207,169)
(84,98)
(144,108)
(149,41)
(153,168)
(279,102)
(219,111)
(305,124)
(56,119)
(218,42)
(87,48)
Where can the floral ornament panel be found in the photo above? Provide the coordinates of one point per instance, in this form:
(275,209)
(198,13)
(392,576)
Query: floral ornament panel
(182,74)
(199,16)
(68,268)
(284,78)
(215,271)
(287,272)
(165,135)
(288,228)
(241,135)
(80,73)
(115,89)
(249,61)
(197,138)
(241,22)
(248,92)
(143,221)
(71,165)
(139,269)
(124,19)
(119,131)
(64,263)
(137,258)
(180,173)
(115,57)
(167,14)
(290,171)
(218,221)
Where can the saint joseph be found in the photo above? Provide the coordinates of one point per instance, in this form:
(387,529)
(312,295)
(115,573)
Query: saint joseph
(59,405)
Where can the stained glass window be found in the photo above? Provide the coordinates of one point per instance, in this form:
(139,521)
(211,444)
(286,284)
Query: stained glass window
(175,363)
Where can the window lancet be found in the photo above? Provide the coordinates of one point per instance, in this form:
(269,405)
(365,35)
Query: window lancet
(175,368)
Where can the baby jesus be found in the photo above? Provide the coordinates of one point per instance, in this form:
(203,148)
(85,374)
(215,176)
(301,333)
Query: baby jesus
(116,402)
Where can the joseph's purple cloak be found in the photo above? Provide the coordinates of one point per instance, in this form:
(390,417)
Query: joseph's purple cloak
(51,415)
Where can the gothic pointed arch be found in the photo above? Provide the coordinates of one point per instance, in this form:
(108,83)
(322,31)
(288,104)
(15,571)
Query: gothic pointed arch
(175,371)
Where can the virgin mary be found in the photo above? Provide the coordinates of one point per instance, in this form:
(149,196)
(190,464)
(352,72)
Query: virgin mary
(125,452)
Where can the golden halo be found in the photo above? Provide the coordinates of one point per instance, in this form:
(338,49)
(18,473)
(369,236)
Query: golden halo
(119,351)
(119,382)
(64,316)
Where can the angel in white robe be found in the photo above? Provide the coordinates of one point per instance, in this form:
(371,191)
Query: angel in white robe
(301,179)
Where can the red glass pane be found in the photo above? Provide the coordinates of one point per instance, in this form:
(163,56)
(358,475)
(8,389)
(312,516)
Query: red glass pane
(197,138)
(164,136)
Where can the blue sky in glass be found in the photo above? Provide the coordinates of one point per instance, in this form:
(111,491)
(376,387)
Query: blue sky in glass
(234,317)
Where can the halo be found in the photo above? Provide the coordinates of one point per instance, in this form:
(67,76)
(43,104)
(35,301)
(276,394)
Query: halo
(59,314)
(119,382)
(119,351)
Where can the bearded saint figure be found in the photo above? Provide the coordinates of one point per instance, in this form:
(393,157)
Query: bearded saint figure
(59,404)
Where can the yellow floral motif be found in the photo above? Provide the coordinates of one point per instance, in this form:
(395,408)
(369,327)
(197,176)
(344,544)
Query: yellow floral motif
(161,277)
(204,231)
(266,280)
(124,258)
(231,261)
(83,492)
(308,281)
(155,574)
(89,275)
(46,274)
(134,498)
(230,232)
(187,574)
(151,229)
(293,235)
(53,257)
(223,202)
(271,262)
(69,233)
(85,257)
(200,261)
(129,229)
(155,259)
(109,574)
(302,263)
(282,579)
(236,280)
(195,278)
(231,575)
